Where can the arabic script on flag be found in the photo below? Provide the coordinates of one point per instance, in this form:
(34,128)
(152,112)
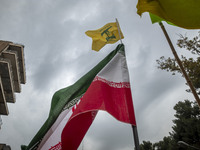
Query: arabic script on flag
(56,147)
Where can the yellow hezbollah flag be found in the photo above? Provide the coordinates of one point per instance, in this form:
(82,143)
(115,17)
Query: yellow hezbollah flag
(108,34)
(183,13)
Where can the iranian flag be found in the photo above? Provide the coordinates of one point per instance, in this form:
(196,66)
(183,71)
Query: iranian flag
(106,87)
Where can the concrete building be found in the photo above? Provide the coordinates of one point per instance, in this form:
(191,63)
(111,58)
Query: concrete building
(12,73)
(4,147)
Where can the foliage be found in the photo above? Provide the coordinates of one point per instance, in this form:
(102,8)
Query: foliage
(166,144)
(186,128)
(146,145)
(186,125)
(191,65)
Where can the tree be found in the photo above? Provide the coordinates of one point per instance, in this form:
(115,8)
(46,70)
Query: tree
(186,128)
(191,65)
(146,145)
(166,144)
(187,123)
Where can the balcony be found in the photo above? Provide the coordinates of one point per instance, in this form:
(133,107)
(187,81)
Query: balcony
(12,73)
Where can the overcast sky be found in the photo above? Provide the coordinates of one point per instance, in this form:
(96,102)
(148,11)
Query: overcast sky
(57,53)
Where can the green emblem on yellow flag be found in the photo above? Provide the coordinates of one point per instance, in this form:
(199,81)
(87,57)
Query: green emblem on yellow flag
(108,34)
(182,13)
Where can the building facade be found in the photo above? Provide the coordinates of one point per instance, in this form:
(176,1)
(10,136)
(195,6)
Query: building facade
(12,73)
(4,147)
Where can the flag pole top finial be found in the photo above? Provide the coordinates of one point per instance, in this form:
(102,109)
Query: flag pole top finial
(118,27)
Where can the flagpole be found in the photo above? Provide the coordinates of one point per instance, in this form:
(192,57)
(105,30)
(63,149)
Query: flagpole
(136,138)
(118,27)
(180,64)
